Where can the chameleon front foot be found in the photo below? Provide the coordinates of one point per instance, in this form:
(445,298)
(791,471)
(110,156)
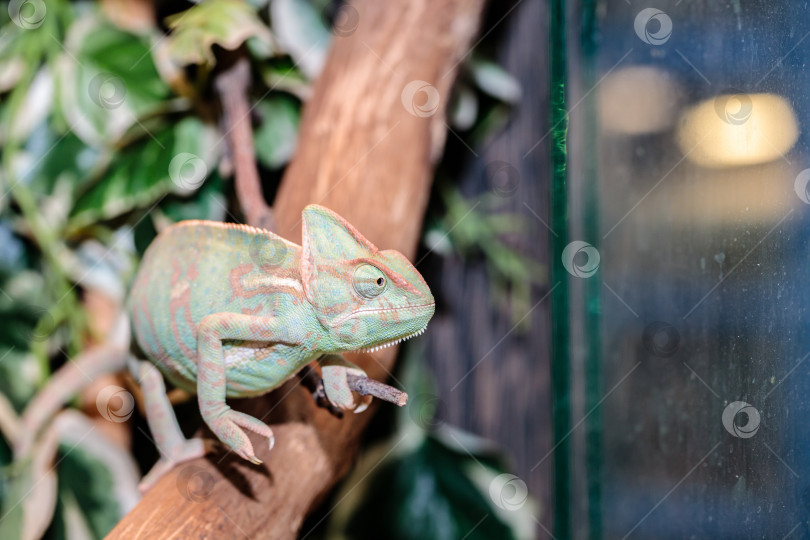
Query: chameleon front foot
(185,451)
(313,382)
(336,371)
(228,425)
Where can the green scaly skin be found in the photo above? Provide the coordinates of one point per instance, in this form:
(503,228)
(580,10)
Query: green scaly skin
(233,311)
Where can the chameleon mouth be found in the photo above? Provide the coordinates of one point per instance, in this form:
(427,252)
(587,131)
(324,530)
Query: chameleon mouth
(392,342)
(382,310)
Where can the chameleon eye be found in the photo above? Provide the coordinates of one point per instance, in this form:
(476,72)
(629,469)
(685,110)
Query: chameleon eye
(369,281)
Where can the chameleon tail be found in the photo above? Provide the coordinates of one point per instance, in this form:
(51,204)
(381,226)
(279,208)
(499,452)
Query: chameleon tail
(68,381)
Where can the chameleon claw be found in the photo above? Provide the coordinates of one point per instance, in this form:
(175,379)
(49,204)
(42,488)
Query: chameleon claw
(365,401)
(271,443)
(254,460)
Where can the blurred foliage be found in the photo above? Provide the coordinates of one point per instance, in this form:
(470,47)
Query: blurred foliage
(478,226)
(108,127)
(483,227)
(426,479)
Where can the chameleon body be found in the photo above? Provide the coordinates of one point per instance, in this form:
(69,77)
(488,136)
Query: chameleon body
(228,310)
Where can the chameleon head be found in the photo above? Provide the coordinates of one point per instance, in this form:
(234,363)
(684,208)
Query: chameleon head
(366,298)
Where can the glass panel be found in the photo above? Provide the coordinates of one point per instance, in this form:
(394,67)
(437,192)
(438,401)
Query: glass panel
(684,301)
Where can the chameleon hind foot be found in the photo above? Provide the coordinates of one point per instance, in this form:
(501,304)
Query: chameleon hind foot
(227,426)
(185,451)
(174,448)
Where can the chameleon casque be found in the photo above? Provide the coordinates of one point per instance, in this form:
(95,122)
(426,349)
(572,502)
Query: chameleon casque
(227,311)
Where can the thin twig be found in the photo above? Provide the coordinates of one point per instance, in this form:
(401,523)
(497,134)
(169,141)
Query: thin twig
(362,385)
(232,85)
(369,387)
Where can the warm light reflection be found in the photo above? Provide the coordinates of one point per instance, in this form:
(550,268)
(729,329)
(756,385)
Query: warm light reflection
(738,129)
(638,100)
(694,196)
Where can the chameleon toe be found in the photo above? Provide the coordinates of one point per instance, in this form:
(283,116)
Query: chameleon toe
(365,401)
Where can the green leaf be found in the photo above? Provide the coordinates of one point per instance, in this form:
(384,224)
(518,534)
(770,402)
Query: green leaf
(56,168)
(29,86)
(207,203)
(131,62)
(12,251)
(281,74)
(30,489)
(10,428)
(495,81)
(18,375)
(302,33)
(12,54)
(14,489)
(428,482)
(103,94)
(21,308)
(35,107)
(494,119)
(428,494)
(69,522)
(276,137)
(175,159)
(435,491)
(227,23)
(143,234)
(100,476)
(465,108)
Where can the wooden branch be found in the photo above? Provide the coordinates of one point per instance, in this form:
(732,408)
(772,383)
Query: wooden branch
(232,84)
(364,155)
(362,385)
(369,387)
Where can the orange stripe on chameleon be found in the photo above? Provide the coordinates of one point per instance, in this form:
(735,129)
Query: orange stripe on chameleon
(245,285)
(179,298)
